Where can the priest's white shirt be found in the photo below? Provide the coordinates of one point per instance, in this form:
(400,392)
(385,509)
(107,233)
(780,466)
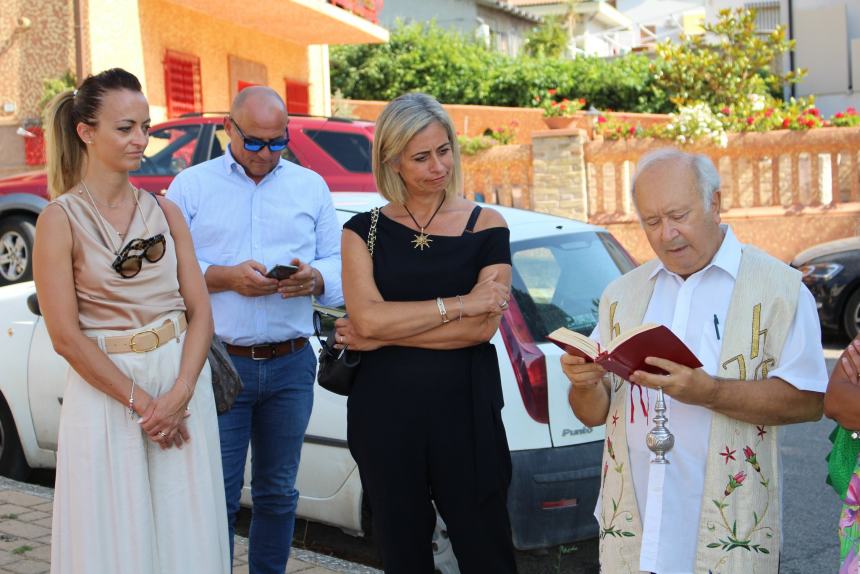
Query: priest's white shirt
(669,496)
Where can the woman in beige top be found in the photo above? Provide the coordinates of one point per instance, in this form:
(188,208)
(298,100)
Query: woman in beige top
(139,487)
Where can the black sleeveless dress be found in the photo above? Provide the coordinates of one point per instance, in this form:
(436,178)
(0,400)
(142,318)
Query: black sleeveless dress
(427,423)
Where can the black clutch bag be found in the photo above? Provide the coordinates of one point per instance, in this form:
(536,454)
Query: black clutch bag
(337,367)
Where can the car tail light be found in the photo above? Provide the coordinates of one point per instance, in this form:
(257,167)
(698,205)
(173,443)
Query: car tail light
(528,362)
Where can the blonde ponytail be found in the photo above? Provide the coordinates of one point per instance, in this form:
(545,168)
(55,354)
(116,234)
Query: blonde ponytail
(64,150)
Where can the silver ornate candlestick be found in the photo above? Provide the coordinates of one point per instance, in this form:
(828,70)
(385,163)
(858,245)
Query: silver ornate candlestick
(659,439)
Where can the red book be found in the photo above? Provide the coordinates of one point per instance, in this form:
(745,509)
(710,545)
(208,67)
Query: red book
(627,352)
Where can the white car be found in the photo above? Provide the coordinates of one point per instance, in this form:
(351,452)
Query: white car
(560,268)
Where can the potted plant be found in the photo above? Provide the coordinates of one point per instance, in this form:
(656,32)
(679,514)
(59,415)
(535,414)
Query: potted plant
(558,114)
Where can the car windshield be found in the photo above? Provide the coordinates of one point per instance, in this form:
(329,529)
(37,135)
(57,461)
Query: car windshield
(557,281)
(170,150)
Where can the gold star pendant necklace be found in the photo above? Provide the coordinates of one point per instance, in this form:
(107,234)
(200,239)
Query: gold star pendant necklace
(423,240)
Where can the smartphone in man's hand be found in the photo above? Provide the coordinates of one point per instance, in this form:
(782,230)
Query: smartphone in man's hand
(281,272)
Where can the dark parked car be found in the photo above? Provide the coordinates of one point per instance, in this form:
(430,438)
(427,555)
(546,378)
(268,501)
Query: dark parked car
(337,149)
(832,272)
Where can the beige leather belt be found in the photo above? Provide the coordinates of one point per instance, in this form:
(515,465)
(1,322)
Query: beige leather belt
(146,340)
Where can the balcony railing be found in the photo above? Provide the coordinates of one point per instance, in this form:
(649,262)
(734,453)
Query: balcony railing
(367,9)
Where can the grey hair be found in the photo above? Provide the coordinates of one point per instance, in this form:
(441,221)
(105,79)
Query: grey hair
(399,122)
(707,176)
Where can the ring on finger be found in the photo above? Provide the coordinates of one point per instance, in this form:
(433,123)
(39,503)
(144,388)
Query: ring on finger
(162,434)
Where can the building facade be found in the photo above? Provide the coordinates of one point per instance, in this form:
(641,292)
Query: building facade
(827,36)
(190,55)
(502,25)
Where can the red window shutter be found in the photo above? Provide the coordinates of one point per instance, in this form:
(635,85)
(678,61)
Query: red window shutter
(298,97)
(241,85)
(182,83)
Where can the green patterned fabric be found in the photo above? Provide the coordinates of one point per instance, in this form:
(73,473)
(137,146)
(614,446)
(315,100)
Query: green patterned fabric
(842,459)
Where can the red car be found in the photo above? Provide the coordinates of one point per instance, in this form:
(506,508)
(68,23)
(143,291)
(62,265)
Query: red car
(337,149)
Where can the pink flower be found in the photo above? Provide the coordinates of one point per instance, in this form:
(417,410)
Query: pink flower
(725,111)
(632,130)
(851,111)
(839,115)
(851,562)
(768,112)
(750,121)
(552,91)
(850,509)
(601,120)
(750,456)
(786,123)
(813,111)
(734,482)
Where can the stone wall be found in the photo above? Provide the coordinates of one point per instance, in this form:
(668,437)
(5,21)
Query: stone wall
(559,180)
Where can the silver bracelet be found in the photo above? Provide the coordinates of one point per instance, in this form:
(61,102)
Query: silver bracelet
(442,311)
(460,301)
(131,400)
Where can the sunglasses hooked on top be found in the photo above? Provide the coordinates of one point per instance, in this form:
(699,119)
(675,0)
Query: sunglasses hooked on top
(256,144)
(152,249)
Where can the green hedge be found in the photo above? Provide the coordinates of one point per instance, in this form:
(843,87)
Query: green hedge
(457,70)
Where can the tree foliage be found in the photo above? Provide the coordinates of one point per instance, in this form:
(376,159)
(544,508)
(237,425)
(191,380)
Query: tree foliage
(457,69)
(548,40)
(725,66)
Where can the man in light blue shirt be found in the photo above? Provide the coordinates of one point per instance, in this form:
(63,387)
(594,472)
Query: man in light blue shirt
(249,211)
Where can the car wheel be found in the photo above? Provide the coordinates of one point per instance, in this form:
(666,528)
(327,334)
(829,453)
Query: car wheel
(12,461)
(16,249)
(851,318)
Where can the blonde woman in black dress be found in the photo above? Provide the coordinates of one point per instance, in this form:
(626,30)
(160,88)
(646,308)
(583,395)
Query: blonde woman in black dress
(424,416)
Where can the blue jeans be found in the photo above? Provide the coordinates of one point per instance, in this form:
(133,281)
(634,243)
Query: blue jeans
(271,413)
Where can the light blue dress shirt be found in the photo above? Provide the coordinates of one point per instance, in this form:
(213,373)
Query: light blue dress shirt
(289,214)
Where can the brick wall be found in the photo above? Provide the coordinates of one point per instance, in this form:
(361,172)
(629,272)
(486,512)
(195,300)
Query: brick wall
(473,120)
(780,233)
(500,175)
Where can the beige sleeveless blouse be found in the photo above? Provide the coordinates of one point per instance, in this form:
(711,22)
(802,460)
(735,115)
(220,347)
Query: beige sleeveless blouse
(105,299)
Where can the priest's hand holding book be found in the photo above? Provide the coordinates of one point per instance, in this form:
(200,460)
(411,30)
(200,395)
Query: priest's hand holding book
(650,355)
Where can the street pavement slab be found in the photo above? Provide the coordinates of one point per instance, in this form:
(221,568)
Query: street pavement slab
(25,538)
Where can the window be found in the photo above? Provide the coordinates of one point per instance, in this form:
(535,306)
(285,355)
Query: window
(298,97)
(557,281)
(351,150)
(170,150)
(182,83)
(766,15)
(221,140)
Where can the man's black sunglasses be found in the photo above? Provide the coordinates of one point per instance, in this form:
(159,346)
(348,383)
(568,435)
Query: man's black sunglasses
(256,144)
(152,249)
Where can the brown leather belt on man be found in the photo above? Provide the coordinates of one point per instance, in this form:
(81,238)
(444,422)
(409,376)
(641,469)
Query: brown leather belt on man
(269,350)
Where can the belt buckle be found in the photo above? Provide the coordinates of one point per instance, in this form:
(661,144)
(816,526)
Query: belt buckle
(254,352)
(154,347)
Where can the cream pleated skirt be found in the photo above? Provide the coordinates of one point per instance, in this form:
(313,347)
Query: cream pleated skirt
(122,505)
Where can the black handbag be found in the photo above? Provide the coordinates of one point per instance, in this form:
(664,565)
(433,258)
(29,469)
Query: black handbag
(226,383)
(339,367)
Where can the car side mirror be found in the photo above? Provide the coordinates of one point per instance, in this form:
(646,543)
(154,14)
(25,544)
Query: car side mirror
(33,305)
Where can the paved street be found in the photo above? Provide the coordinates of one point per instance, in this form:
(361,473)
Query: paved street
(25,538)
